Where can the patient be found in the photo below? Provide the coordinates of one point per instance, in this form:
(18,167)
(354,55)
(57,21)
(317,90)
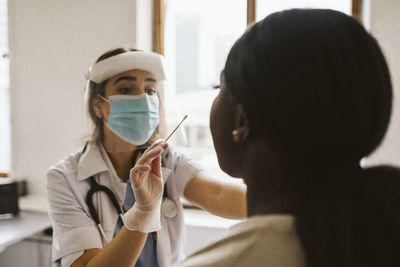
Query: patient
(305,95)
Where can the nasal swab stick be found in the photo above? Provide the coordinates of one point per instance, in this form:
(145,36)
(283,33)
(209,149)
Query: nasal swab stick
(176,128)
(184,118)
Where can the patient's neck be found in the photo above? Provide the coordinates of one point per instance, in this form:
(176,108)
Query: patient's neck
(271,202)
(267,184)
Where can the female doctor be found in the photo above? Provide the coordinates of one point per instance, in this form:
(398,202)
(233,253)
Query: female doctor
(104,213)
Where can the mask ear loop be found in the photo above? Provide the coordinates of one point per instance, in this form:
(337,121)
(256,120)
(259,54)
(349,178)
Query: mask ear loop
(106,100)
(103,98)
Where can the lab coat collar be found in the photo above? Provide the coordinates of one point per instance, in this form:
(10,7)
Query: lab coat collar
(91,162)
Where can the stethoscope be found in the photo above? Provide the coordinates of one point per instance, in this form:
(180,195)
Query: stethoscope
(168,207)
(94,188)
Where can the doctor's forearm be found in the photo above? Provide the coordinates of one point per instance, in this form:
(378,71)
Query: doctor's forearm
(230,202)
(223,199)
(123,250)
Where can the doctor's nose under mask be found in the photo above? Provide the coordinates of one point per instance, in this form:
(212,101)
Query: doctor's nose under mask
(134,118)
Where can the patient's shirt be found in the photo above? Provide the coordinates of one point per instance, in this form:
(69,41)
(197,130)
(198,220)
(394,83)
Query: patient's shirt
(264,240)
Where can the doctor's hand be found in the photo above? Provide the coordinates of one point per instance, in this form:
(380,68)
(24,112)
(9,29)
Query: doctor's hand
(147,184)
(146,177)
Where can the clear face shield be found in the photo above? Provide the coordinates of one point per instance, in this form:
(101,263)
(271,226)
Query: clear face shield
(171,118)
(135,121)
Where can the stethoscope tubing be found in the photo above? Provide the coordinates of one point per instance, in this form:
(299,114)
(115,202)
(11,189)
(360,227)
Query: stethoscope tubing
(94,188)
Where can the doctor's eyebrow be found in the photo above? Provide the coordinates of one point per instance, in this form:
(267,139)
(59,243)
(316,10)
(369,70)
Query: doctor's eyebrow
(129,78)
(133,78)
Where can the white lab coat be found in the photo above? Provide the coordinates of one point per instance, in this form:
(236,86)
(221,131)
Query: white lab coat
(73,228)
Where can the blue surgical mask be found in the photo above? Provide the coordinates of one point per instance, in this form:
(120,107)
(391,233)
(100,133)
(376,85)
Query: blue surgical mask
(133,118)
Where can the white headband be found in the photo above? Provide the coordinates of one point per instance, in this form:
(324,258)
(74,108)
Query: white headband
(148,61)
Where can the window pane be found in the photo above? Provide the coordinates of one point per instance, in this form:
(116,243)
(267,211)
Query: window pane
(266,7)
(198,36)
(4,95)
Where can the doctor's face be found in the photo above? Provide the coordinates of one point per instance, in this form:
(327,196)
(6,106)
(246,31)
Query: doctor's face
(133,82)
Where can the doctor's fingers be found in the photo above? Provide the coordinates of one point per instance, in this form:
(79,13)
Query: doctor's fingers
(150,155)
(156,166)
(158,142)
(154,144)
(137,174)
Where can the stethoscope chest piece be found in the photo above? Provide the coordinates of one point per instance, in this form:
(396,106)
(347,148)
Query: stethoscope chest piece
(169,208)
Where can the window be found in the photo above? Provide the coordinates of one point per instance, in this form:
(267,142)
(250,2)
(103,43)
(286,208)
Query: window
(4,91)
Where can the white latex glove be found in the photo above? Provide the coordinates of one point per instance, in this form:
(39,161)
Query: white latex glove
(147,185)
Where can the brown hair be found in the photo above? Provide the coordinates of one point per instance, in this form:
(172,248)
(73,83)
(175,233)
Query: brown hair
(95,89)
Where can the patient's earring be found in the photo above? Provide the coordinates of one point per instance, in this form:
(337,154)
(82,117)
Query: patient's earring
(236,135)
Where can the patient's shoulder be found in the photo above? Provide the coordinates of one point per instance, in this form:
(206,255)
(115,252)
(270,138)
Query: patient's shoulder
(268,240)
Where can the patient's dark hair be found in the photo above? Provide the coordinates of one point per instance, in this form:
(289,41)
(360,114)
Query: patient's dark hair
(316,86)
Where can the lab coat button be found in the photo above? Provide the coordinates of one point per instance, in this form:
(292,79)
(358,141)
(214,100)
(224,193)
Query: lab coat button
(126,208)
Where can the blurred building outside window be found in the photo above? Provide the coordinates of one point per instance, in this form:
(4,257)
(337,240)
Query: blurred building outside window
(198,36)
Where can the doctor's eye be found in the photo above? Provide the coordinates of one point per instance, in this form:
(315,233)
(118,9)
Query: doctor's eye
(125,90)
(150,91)
(217,86)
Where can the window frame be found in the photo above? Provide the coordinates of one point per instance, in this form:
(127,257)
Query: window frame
(159,19)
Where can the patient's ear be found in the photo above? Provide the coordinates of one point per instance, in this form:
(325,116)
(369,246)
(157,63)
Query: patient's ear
(96,105)
(242,126)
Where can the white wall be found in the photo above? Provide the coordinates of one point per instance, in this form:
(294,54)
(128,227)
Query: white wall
(52,44)
(384,24)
